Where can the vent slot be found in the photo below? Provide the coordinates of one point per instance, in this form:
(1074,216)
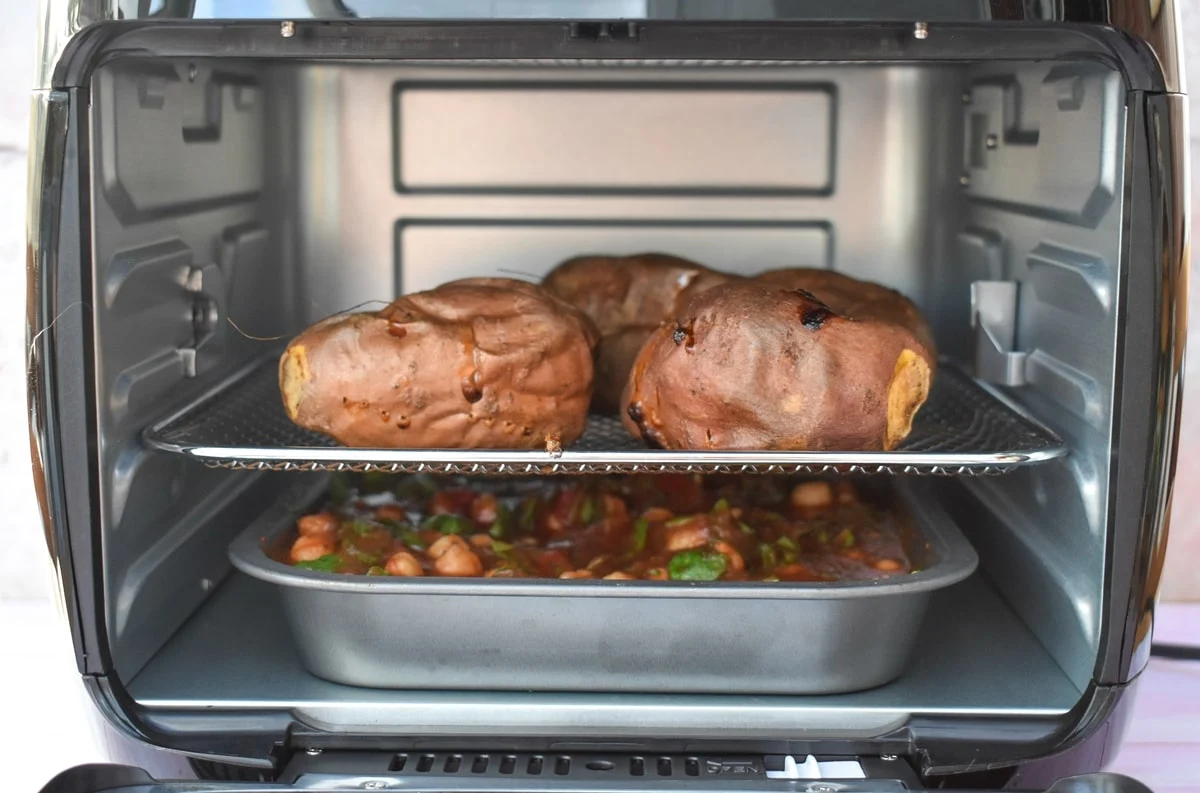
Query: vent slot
(691,766)
(425,764)
(398,762)
(665,766)
(562,766)
(601,765)
(453,763)
(481,764)
(637,766)
(535,765)
(508,764)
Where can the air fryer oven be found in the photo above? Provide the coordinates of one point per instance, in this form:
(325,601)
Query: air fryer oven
(202,189)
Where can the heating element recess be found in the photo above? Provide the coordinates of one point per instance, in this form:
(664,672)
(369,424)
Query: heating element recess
(963,429)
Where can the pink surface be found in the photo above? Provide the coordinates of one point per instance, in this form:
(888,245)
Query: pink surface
(1162,747)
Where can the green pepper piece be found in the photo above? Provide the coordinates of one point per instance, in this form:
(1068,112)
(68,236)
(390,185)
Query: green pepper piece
(745,527)
(721,506)
(528,517)
(377,570)
(679,521)
(365,558)
(587,513)
(502,549)
(339,488)
(446,524)
(787,543)
(361,527)
(641,530)
(407,535)
(329,563)
(769,558)
(417,487)
(375,482)
(697,565)
(500,526)
(846,538)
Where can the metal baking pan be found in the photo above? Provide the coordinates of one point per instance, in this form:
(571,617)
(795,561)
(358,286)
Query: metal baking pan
(618,636)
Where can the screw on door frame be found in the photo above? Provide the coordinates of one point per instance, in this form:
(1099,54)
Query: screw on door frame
(921,30)
(287,28)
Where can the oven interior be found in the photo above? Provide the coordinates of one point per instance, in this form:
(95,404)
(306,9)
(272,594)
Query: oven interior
(233,202)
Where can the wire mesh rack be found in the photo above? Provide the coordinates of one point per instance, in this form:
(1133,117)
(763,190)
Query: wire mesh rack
(964,429)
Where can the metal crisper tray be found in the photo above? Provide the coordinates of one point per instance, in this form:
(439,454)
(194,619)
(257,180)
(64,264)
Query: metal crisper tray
(963,429)
(612,636)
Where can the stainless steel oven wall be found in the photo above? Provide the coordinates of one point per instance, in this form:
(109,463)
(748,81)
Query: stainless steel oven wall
(182,243)
(1044,167)
(268,196)
(411,176)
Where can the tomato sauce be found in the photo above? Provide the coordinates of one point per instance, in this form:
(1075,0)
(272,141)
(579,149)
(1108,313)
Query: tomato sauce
(639,527)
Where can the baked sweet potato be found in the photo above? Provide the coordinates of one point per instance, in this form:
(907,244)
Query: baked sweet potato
(488,363)
(746,365)
(856,299)
(628,297)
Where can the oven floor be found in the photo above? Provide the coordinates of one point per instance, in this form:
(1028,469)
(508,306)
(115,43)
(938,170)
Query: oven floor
(235,654)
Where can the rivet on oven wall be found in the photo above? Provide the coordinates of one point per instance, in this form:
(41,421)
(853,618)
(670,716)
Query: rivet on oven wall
(889,758)
(206,584)
(287,28)
(921,30)
(191,72)
(991,141)
(312,751)
(965,180)
(966,97)
(374,784)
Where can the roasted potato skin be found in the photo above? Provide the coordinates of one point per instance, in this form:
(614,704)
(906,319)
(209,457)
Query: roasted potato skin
(748,366)
(856,299)
(628,297)
(481,363)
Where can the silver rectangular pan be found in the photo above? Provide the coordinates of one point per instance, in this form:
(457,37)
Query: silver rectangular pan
(627,636)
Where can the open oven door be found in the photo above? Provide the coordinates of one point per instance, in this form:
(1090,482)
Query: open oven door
(807,777)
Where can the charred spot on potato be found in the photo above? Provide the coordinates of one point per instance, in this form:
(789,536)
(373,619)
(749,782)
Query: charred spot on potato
(397,330)
(814,317)
(683,334)
(650,435)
